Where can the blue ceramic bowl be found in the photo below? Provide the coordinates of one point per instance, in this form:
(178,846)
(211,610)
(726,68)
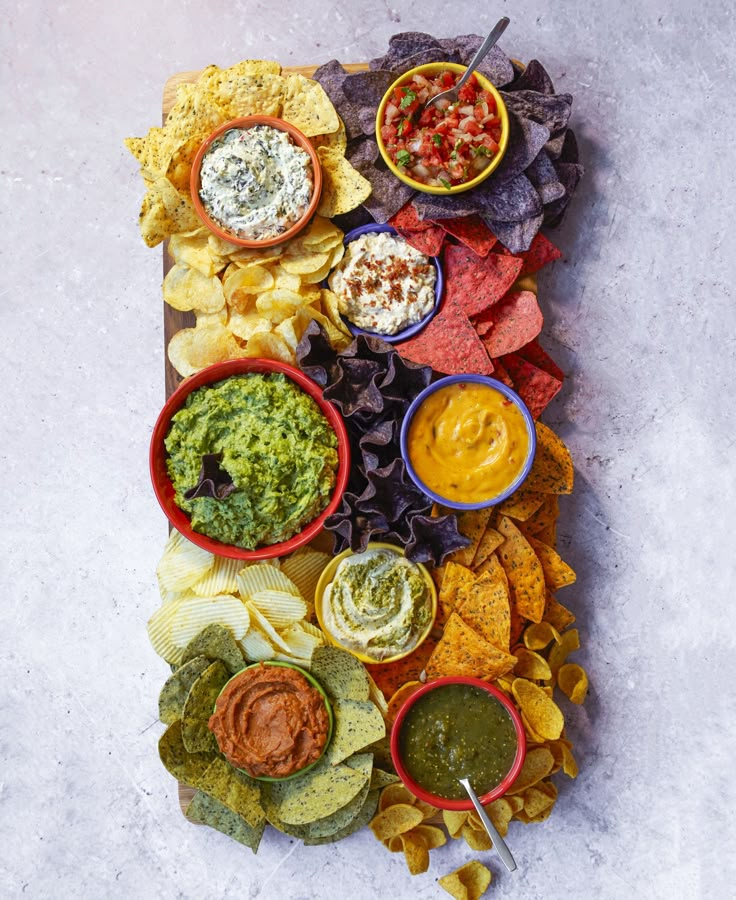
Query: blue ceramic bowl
(473,379)
(412,329)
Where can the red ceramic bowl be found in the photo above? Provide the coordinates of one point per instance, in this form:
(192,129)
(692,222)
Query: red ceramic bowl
(248,122)
(164,489)
(441,802)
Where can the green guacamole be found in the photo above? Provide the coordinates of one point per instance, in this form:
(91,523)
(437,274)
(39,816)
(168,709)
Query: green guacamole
(277,447)
(457,731)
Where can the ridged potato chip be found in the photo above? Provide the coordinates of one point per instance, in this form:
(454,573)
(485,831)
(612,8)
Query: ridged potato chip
(159,633)
(256,646)
(182,564)
(222,578)
(193,615)
(281,608)
(304,570)
(264,577)
(258,618)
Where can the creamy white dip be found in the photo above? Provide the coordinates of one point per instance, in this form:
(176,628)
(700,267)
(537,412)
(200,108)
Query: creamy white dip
(255,183)
(382,284)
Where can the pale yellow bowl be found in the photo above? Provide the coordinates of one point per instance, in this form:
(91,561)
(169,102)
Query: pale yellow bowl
(432,69)
(329,573)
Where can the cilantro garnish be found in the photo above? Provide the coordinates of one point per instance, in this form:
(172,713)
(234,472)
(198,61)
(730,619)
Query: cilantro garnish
(437,140)
(403,158)
(407,100)
(445,183)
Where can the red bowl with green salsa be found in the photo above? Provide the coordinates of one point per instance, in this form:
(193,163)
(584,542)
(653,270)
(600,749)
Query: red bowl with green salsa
(458,727)
(164,488)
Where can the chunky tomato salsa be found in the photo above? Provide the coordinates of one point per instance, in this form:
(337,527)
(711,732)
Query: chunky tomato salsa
(448,143)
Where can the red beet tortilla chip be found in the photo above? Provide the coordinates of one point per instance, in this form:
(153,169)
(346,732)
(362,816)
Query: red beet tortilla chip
(535,386)
(448,344)
(541,252)
(516,321)
(477,283)
(428,240)
(499,372)
(471,231)
(406,219)
(534,354)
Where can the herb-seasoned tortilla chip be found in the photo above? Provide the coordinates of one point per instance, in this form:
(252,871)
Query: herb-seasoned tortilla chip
(557,615)
(455,576)
(317,794)
(216,642)
(358,723)
(361,819)
(343,187)
(198,708)
(462,651)
(472,523)
(306,105)
(521,504)
(207,810)
(391,676)
(523,570)
(165,211)
(236,790)
(490,541)
(552,471)
(557,573)
(174,693)
(186,767)
(484,605)
(341,675)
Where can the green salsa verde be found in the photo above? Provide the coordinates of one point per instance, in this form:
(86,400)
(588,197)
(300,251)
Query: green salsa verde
(457,731)
(274,443)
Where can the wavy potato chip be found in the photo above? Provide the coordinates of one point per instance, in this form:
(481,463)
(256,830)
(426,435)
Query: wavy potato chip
(304,570)
(182,564)
(281,608)
(159,633)
(256,645)
(222,578)
(264,577)
(195,614)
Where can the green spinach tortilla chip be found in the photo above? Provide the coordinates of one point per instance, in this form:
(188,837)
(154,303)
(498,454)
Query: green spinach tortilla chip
(178,761)
(315,795)
(174,693)
(366,813)
(207,811)
(341,675)
(198,708)
(234,789)
(381,779)
(216,642)
(358,723)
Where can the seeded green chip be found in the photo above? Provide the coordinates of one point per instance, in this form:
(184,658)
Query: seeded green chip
(342,675)
(235,790)
(178,761)
(198,708)
(358,723)
(174,693)
(381,779)
(216,642)
(315,795)
(208,811)
(322,828)
(367,812)
(381,751)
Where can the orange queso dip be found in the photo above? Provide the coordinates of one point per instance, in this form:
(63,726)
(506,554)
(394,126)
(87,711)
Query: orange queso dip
(468,442)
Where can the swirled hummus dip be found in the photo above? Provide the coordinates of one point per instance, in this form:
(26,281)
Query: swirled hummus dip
(378,604)
(270,721)
(256,183)
(383,284)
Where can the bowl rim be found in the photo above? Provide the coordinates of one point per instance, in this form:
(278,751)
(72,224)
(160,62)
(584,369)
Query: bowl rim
(327,575)
(315,684)
(494,793)
(410,330)
(164,491)
(245,122)
(458,188)
(473,378)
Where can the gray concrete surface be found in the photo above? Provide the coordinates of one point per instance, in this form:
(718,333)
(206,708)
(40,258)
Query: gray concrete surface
(639,314)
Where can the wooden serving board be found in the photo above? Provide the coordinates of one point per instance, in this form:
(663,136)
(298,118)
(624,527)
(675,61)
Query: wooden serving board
(173,319)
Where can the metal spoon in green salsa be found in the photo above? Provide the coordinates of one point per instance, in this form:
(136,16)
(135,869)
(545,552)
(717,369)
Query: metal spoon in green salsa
(498,842)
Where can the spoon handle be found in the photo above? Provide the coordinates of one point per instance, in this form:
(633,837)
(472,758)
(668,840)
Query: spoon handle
(484,50)
(498,842)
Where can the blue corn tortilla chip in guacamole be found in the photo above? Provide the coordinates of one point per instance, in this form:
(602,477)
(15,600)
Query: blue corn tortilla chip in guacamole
(276,446)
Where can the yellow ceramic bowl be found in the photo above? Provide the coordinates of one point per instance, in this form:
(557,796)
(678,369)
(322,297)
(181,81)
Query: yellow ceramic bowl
(432,69)
(329,573)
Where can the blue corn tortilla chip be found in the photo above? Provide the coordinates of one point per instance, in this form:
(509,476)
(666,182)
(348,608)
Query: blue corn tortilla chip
(213,480)
(367,88)
(391,492)
(512,201)
(543,176)
(526,139)
(516,236)
(434,538)
(534,78)
(315,354)
(496,66)
(570,152)
(569,174)
(354,387)
(550,110)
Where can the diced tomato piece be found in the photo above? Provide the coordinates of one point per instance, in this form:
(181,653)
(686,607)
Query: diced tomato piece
(388,134)
(478,113)
(473,127)
(448,79)
(467,93)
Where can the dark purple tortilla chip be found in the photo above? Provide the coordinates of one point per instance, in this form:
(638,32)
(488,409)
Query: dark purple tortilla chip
(553,147)
(476,283)
(422,57)
(533,353)
(213,481)
(367,88)
(526,139)
(379,445)
(427,240)
(367,121)
(449,344)
(434,538)
(353,219)
(512,201)
(570,152)
(471,231)
(354,389)
(403,381)
(388,194)
(534,78)
(391,492)
(543,176)
(433,206)
(516,236)
(541,252)
(496,66)
(517,319)
(315,355)
(352,527)
(535,386)
(569,174)
(550,110)
(362,153)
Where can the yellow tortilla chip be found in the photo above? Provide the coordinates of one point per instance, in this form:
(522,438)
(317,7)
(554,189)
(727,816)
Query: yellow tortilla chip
(469,882)
(472,523)
(489,542)
(552,471)
(542,713)
(538,763)
(306,105)
(567,644)
(416,851)
(573,681)
(462,651)
(531,665)
(558,616)
(395,820)
(453,578)
(165,211)
(557,573)
(524,572)
(484,605)
(522,504)
(335,140)
(343,187)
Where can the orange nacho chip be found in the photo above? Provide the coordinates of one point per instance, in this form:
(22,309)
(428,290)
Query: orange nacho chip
(472,523)
(558,616)
(552,471)
(557,573)
(462,651)
(484,605)
(524,572)
(391,676)
(490,541)
(522,504)
(455,576)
